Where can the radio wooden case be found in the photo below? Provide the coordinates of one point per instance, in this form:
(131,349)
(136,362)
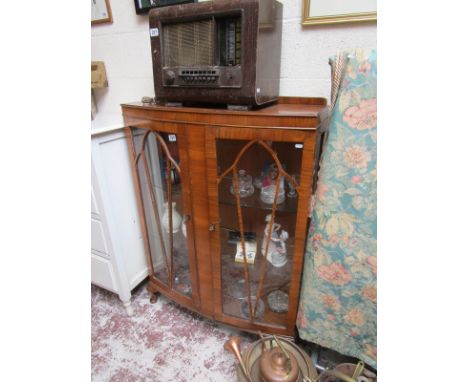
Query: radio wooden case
(222,52)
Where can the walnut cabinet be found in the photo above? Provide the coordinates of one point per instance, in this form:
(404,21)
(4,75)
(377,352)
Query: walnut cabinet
(223,198)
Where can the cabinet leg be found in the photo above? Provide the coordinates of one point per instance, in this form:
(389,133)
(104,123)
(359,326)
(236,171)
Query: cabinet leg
(153,297)
(153,292)
(128,308)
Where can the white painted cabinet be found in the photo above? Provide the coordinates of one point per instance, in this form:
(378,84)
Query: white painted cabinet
(118,262)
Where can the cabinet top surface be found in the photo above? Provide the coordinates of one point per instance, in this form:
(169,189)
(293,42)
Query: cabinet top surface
(284,107)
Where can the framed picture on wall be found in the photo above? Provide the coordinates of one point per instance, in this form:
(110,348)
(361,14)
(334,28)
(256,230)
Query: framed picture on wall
(144,6)
(316,12)
(100,12)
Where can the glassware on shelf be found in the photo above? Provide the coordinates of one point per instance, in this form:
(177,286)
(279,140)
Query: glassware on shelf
(267,195)
(184,229)
(292,193)
(176,219)
(277,253)
(267,183)
(258,182)
(184,226)
(278,301)
(246,187)
(182,281)
(245,311)
(237,289)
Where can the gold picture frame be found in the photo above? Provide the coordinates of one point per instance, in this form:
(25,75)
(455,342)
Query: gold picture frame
(335,12)
(100,12)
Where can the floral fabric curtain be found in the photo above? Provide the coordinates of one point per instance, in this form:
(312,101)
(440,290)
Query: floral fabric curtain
(338,301)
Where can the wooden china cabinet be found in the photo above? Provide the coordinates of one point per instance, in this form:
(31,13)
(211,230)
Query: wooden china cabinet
(215,184)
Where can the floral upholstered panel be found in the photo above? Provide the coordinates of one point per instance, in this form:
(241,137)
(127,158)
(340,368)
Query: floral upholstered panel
(339,297)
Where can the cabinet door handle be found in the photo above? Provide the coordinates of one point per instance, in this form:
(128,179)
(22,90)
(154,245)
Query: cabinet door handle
(212,227)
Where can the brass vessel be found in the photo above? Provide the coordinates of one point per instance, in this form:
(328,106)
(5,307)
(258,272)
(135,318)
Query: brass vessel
(271,359)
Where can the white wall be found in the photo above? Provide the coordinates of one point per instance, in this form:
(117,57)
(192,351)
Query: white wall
(305,51)
(124,46)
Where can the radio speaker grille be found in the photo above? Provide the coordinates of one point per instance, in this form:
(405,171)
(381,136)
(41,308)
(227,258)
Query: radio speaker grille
(188,44)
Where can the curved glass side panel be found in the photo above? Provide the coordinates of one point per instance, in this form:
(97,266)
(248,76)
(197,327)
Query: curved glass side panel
(157,157)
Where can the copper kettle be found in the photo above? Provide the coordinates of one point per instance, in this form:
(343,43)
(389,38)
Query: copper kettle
(277,365)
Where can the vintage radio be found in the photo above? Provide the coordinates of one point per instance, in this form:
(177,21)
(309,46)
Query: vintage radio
(222,51)
(144,6)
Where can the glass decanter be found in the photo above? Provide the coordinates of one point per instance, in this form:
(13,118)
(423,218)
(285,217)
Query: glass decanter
(246,187)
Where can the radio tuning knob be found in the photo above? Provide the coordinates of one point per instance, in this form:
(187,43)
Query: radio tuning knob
(170,76)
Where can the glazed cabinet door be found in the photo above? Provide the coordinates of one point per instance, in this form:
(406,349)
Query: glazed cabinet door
(259,188)
(160,165)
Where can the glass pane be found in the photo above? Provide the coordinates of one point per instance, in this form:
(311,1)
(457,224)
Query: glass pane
(267,272)
(161,187)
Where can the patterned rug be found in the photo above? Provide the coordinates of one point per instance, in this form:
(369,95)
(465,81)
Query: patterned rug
(162,342)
